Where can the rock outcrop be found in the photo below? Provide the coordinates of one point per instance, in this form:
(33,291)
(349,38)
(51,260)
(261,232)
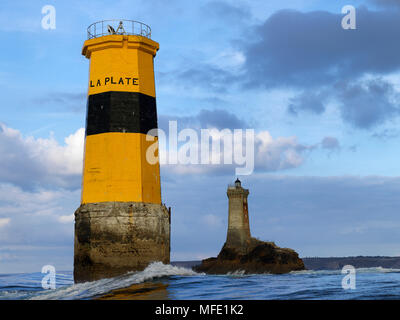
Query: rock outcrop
(255,257)
(242,252)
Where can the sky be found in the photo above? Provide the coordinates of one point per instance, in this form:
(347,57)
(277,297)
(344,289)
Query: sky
(323,102)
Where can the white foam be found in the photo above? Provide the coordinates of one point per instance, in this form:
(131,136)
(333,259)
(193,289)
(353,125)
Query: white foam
(377,270)
(339,271)
(236,273)
(100,287)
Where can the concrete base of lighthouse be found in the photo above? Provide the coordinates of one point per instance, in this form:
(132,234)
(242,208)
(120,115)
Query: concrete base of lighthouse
(112,238)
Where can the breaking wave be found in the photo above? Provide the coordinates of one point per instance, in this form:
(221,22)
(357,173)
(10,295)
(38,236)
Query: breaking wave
(89,290)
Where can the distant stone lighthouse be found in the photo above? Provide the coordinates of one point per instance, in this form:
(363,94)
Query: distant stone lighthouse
(243,253)
(238,220)
(121,224)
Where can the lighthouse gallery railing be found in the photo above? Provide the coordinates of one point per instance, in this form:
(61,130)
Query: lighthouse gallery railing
(128,27)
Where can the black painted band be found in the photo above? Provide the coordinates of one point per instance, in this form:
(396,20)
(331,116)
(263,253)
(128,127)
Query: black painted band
(117,111)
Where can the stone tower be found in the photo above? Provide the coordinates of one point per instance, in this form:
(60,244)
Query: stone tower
(121,224)
(241,251)
(238,221)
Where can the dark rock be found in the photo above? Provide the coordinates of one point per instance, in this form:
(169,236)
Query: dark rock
(256,257)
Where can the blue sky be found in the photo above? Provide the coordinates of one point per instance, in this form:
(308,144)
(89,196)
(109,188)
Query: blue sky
(323,101)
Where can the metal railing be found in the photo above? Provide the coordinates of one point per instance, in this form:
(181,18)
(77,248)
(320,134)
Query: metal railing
(127,27)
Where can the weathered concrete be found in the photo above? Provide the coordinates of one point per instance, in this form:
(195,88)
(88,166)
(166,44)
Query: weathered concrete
(112,238)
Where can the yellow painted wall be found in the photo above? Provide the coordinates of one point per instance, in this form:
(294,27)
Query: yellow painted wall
(115,166)
(116,169)
(119,57)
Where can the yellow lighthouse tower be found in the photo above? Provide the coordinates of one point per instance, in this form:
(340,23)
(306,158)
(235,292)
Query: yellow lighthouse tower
(121,224)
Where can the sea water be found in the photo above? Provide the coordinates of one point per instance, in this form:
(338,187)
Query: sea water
(159,281)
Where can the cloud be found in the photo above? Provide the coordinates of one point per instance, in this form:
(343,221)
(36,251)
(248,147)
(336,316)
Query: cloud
(311,53)
(47,164)
(28,162)
(37,216)
(330,143)
(205,75)
(364,104)
(311,49)
(4,222)
(73,101)
(66,219)
(60,97)
(270,155)
(307,101)
(278,154)
(226,11)
(368,103)
(230,60)
(386,134)
(386,3)
(204,119)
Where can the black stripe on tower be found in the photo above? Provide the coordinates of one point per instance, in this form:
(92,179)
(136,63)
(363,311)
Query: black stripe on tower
(116,111)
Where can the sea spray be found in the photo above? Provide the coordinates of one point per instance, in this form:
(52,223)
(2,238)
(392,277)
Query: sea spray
(88,290)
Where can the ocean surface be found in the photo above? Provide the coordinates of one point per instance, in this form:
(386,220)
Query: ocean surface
(159,281)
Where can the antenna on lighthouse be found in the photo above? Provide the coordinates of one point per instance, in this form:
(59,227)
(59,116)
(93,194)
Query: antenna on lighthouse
(121,27)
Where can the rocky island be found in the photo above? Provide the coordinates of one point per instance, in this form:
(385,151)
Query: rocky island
(241,252)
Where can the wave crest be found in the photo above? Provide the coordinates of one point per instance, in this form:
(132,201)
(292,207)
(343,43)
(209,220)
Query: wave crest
(92,289)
